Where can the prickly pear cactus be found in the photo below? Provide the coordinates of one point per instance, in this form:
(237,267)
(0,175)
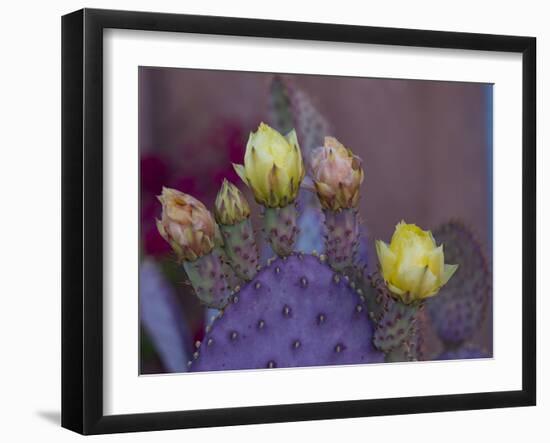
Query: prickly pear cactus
(459,309)
(301,309)
(295,312)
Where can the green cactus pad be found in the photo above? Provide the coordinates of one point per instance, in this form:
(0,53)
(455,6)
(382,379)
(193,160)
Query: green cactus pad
(280,228)
(342,237)
(240,247)
(396,330)
(395,322)
(209,277)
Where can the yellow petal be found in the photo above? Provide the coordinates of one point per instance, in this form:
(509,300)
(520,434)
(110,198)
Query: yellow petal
(395,289)
(269,140)
(332,142)
(409,279)
(323,189)
(283,188)
(292,139)
(431,238)
(278,185)
(258,163)
(301,172)
(448,272)
(436,261)
(429,284)
(386,258)
(295,156)
(239,169)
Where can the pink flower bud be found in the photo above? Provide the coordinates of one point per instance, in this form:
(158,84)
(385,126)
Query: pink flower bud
(337,175)
(186,225)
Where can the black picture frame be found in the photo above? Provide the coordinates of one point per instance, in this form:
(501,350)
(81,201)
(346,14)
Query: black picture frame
(82,220)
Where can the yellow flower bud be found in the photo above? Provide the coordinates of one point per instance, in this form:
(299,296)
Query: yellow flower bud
(337,175)
(231,207)
(186,224)
(412,264)
(273,167)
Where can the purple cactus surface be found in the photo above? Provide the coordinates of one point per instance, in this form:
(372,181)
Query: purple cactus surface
(457,312)
(295,312)
(463,353)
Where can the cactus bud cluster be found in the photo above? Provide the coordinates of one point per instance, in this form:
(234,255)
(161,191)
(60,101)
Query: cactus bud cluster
(215,249)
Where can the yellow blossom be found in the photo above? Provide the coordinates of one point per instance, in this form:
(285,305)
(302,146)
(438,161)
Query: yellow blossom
(412,264)
(273,167)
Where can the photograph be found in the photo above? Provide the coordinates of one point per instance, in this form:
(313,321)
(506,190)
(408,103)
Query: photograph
(274,222)
(298,220)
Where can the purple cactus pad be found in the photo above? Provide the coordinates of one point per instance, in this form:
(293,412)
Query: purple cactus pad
(458,311)
(296,312)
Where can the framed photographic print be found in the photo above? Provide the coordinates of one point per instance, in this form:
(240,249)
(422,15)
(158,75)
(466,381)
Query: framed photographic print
(270,221)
